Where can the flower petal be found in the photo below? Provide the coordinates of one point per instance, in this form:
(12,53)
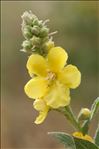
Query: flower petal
(36,87)
(41,117)
(57,58)
(88,138)
(58,96)
(78,135)
(70,76)
(40,105)
(84,137)
(36,64)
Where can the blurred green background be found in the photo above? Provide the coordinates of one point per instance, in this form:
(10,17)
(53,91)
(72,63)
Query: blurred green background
(77,23)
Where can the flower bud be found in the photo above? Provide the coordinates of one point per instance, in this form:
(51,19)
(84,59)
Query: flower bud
(27,32)
(35,22)
(49,45)
(40,23)
(44,32)
(28,17)
(26,45)
(35,30)
(35,40)
(84,114)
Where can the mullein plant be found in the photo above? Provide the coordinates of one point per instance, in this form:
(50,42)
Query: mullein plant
(51,79)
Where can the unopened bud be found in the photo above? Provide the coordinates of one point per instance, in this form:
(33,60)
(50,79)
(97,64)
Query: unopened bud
(35,40)
(84,114)
(40,23)
(28,17)
(26,45)
(27,32)
(44,32)
(49,45)
(35,22)
(35,30)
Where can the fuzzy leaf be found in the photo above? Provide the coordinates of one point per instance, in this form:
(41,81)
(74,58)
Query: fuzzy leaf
(64,138)
(97,136)
(84,144)
(73,142)
(94,108)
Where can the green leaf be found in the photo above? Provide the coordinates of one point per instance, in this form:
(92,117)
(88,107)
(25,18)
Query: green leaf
(64,138)
(94,108)
(73,142)
(97,136)
(84,144)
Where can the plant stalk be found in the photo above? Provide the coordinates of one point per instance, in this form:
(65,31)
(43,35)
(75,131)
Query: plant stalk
(71,117)
(67,111)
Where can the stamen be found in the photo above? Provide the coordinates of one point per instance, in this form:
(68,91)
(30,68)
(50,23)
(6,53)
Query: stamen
(51,76)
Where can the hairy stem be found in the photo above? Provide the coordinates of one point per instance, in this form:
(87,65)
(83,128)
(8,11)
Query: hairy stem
(71,117)
(67,111)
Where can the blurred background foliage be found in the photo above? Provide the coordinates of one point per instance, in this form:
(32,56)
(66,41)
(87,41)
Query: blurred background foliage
(77,23)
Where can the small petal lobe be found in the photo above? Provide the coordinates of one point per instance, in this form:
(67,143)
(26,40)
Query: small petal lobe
(40,105)
(41,117)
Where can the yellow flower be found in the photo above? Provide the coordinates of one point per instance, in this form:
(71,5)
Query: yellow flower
(53,79)
(81,136)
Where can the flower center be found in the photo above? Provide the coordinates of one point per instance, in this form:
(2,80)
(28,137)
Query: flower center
(51,77)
